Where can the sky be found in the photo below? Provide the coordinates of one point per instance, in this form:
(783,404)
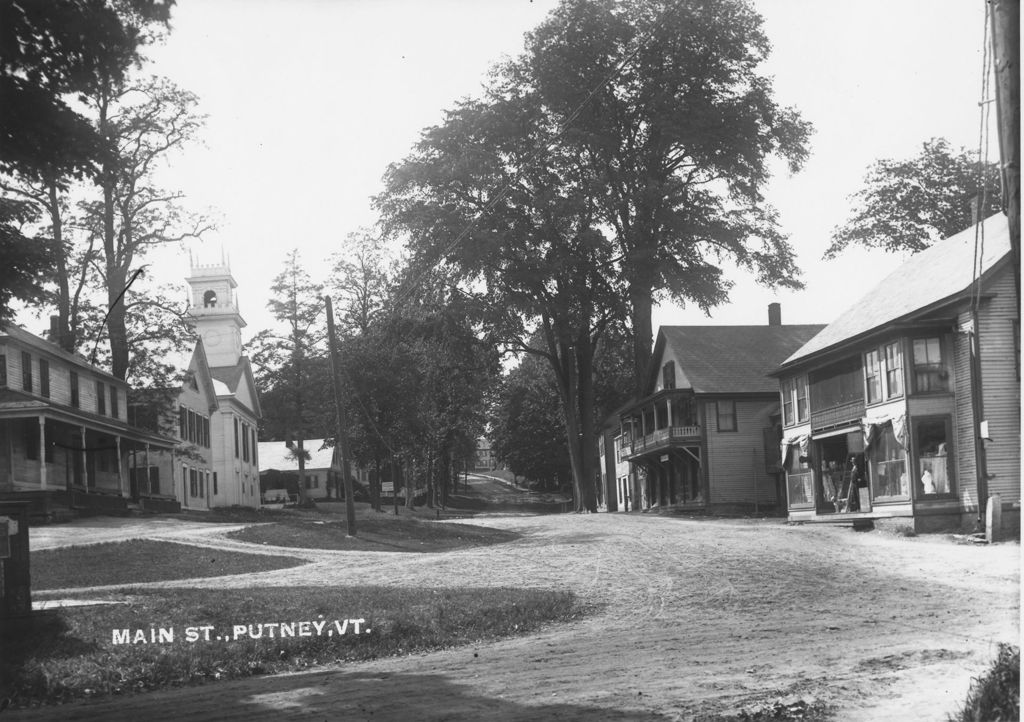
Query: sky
(308,101)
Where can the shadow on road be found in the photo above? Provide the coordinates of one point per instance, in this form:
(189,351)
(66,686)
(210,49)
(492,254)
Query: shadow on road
(333,695)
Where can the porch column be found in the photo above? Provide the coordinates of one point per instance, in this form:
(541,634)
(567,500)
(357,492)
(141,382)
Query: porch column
(85,458)
(668,417)
(120,468)
(42,451)
(148,490)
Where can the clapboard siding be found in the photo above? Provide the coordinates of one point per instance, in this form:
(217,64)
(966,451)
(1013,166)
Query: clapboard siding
(735,459)
(998,319)
(967,481)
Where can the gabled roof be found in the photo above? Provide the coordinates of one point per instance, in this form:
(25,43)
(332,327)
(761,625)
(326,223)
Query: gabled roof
(22,336)
(274,455)
(729,359)
(231,376)
(928,279)
(205,375)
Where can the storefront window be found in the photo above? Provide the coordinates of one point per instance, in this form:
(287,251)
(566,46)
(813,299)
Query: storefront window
(887,467)
(799,478)
(934,475)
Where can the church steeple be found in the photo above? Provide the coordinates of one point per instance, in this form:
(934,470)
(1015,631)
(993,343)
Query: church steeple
(214,312)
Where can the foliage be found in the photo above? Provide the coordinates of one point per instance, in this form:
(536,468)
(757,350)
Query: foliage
(527,430)
(50,53)
(283,363)
(995,697)
(906,205)
(661,100)
(360,280)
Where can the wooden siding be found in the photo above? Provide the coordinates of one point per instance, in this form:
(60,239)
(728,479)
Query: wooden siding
(735,458)
(1001,387)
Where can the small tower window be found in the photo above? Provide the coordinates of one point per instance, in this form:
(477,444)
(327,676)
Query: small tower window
(210,299)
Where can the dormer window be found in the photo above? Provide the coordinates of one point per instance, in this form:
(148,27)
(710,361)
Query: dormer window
(210,299)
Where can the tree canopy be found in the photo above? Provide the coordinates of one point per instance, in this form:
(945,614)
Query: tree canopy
(907,205)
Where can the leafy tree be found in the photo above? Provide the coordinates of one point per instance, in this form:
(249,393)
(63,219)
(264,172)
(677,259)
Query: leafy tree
(50,52)
(360,278)
(906,205)
(283,362)
(488,199)
(527,429)
(661,99)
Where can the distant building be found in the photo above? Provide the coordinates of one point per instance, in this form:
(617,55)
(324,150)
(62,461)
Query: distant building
(217,410)
(65,439)
(485,459)
(279,471)
(907,406)
(705,435)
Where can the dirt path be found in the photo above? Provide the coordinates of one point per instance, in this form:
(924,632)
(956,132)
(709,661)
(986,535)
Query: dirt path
(698,616)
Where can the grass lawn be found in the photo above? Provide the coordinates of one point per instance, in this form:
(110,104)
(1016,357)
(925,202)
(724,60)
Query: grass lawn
(139,560)
(379,532)
(80,652)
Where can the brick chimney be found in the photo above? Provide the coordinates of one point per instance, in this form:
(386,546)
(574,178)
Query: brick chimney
(774,314)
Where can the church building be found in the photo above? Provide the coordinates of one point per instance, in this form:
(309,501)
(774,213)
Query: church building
(218,407)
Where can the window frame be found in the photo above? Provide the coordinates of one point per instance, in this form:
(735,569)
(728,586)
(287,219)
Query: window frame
(101,398)
(719,416)
(44,378)
(26,371)
(942,365)
(76,389)
(668,375)
(874,373)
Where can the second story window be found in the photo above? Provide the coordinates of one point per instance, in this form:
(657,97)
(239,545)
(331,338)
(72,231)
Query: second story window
(893,369)
(873,375)
(3,369)
(929,370)
(101,398)
(794,400)
(726,413)
(668,375)
(26,371)
(44,377)
(114,407)
(74,389)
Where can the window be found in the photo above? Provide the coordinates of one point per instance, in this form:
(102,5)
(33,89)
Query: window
(929,371)
(44,377)
(215,483)
(206,431)
(210,299)
(245,441)
(26,371)
(101,398)
(893,370)
(873,375)
(254,461)
(788,402)
(193,483)
(191,425)
(3,369)
(183,423)
(236,437)
(887,467)
(932,442)
(799,477)
(74,390)
(801,399)
(726,413)
(114,408)
(668,375)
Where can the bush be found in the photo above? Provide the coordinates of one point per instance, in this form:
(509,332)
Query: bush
(995,697)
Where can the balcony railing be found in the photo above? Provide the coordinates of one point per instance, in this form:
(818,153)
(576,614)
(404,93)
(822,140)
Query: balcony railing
(836,415)
(661,438)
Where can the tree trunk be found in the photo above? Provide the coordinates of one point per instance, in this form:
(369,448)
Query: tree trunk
(640,299)
(302,472)
(375,486)
(65,340)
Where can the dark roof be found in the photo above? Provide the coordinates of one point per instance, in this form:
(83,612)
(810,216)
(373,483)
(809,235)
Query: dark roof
(21,335)
(229,375)
(731,359)
(934,275)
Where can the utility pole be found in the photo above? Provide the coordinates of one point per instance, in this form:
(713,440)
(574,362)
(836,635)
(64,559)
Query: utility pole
(1005,22)
(339,434)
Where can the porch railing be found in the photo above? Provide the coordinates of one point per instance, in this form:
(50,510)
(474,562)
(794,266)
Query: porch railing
(662,437)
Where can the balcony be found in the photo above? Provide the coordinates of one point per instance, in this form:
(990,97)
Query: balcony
(658,440)
(837,415)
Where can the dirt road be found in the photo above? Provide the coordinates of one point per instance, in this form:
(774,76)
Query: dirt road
(697,616)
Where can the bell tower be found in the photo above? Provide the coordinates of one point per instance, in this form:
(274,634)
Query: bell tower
(214,312)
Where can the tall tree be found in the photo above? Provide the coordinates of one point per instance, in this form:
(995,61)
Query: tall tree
(143,123)
(490,199)
(360,278)
(907,205)
(663,101)
(51,52)
(283,360)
